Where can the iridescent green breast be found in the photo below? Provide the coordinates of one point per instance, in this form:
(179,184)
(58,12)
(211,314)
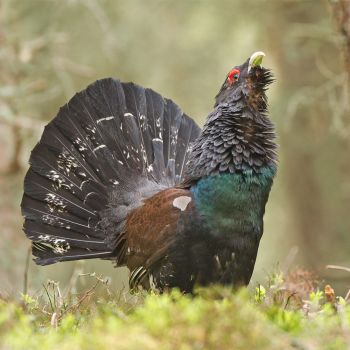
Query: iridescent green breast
(234,204)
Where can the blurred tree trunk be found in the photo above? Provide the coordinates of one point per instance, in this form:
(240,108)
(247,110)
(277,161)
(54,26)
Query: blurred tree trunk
(15,162)
(302,154)
(341,10)
(315,155)
(341,13)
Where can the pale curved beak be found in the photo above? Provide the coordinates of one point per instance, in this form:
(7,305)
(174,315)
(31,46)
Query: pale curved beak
(255,60)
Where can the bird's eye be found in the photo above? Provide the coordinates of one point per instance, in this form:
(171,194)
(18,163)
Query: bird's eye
(233,76)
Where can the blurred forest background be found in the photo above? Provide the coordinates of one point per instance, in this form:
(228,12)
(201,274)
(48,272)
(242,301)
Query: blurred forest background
(51,49)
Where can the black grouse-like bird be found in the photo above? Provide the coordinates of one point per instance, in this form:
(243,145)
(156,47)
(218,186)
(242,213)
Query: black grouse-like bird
(121,173)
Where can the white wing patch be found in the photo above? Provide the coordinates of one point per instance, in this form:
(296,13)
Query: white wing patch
(181,202)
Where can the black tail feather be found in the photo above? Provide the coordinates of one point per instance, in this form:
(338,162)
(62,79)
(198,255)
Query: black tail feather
(110,147)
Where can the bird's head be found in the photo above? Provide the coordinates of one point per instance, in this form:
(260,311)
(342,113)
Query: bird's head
(247,82)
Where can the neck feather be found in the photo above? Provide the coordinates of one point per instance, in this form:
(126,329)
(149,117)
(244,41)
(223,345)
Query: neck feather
(235,139)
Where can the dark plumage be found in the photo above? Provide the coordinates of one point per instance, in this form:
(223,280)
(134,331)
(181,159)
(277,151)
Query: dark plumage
(122,174)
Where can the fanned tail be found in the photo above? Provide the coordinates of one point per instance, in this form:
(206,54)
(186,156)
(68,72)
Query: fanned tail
(113,145)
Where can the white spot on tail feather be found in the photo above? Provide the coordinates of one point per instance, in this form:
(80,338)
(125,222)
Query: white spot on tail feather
(103,119)
(150,168)
(181,202)
(58,245)
(99,147)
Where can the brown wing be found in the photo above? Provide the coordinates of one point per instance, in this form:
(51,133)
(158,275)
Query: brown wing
(151,228)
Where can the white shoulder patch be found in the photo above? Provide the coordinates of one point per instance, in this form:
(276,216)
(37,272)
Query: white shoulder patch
(181,202)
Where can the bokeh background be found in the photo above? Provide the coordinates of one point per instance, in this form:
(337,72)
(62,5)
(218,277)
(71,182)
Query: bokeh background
(183,49)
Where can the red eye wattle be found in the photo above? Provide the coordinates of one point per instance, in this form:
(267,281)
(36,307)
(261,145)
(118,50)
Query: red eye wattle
(233,75)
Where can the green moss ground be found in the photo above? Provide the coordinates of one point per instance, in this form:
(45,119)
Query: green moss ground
(290,313)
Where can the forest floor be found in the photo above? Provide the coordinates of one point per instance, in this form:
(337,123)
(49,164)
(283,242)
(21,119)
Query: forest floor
(288,313)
